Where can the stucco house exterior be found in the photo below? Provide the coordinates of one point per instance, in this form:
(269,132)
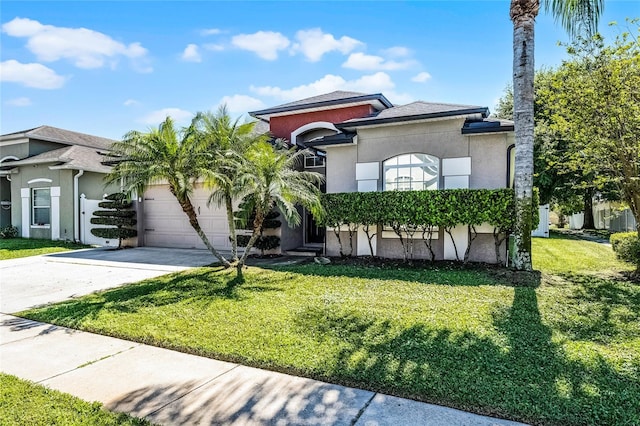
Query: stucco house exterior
(362,142)
(51,180)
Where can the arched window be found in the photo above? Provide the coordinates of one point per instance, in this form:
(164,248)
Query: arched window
(411,172)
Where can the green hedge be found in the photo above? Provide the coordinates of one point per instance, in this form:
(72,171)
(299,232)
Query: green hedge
(626,245)
(419,212)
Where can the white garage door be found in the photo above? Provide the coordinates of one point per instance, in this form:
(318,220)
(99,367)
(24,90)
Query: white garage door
(166,225)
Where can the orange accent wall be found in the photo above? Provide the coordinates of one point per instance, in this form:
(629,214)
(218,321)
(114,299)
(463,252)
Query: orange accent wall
(282,127)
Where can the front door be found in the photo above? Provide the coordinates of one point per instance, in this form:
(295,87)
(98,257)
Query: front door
(314,234)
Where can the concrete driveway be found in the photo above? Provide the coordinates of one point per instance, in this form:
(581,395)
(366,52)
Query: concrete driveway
(38,280)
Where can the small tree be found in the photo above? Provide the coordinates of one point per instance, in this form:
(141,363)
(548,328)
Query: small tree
(118,215)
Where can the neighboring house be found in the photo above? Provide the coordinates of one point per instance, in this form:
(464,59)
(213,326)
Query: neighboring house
(611,216)
(48,178)
(362,142)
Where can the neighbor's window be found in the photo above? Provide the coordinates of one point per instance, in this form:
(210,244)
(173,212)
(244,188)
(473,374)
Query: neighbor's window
(411,172)
(41,206)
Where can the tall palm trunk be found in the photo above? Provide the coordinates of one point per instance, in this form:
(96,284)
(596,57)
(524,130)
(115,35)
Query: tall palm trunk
(189,210)
(523,14)
(232,228)
(257,226)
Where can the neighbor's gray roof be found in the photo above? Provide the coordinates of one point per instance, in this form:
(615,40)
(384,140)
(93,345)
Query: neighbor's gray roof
(71,157)
(261,127)
(334,98)
(414,111)
(54,134)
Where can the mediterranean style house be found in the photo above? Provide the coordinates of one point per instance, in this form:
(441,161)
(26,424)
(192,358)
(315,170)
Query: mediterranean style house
(359,142)
(49,177)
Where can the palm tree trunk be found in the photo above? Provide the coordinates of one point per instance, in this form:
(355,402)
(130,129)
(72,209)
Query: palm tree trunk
(187,208)
(257,225)
(232,229)
(523,14)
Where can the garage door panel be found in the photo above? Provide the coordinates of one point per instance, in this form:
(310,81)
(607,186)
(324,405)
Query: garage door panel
(166,225)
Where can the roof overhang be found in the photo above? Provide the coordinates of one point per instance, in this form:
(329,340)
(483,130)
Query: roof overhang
(477,113)
(483,127)
(378,101)
(339,139)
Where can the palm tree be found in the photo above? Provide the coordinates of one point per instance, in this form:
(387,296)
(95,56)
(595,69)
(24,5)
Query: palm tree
(225,142)
(162,155)
(271,180)
(575,16)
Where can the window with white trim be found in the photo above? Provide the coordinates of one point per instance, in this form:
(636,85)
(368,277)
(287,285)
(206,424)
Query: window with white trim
(314,160)
(41,206)
(411,172)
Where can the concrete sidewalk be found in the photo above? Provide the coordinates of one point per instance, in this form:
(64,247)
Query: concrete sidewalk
(174,388)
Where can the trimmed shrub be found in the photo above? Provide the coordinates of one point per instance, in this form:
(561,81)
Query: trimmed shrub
(9,231)
(411,213)
(626,245)
(263,243)
(119,216)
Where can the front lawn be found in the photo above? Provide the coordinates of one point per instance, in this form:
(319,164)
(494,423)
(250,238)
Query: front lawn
(564,352)
(26,403)
(13,248)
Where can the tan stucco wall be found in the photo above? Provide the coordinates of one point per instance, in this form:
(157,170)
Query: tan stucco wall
(61,178)
(489,160)
(19,150)
(91,184)
(441,138)
(341,169)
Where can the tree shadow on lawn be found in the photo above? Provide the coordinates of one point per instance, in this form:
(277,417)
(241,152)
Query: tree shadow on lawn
(443,273)
(527,377)
(200,285)
(604,309)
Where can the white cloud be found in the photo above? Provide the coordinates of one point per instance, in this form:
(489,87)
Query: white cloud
(210,31)
(178,115)
(214,47)
(130,102)
(33,75)
(421,77)
(191,53)
(19,102)
(265,44)
(363,62)
(397,52)
(83,47)
(241,103)
(313,44)
(373,83)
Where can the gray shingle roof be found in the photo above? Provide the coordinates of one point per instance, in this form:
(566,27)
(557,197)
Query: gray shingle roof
(71,157)
(333,96)
(338,97)
(68,137)
(415,108)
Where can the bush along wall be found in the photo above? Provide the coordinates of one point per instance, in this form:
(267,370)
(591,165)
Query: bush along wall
(414,214)
(118,215)
(626,245)
(264,242)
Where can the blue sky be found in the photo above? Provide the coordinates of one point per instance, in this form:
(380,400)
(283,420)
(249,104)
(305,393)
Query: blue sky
(105,68)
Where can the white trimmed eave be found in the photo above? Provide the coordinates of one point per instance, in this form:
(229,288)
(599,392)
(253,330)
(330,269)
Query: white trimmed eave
(402,123)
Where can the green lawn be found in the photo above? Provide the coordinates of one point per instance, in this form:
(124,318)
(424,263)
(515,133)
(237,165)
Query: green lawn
(26,403)
(565,352)
(23,247)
